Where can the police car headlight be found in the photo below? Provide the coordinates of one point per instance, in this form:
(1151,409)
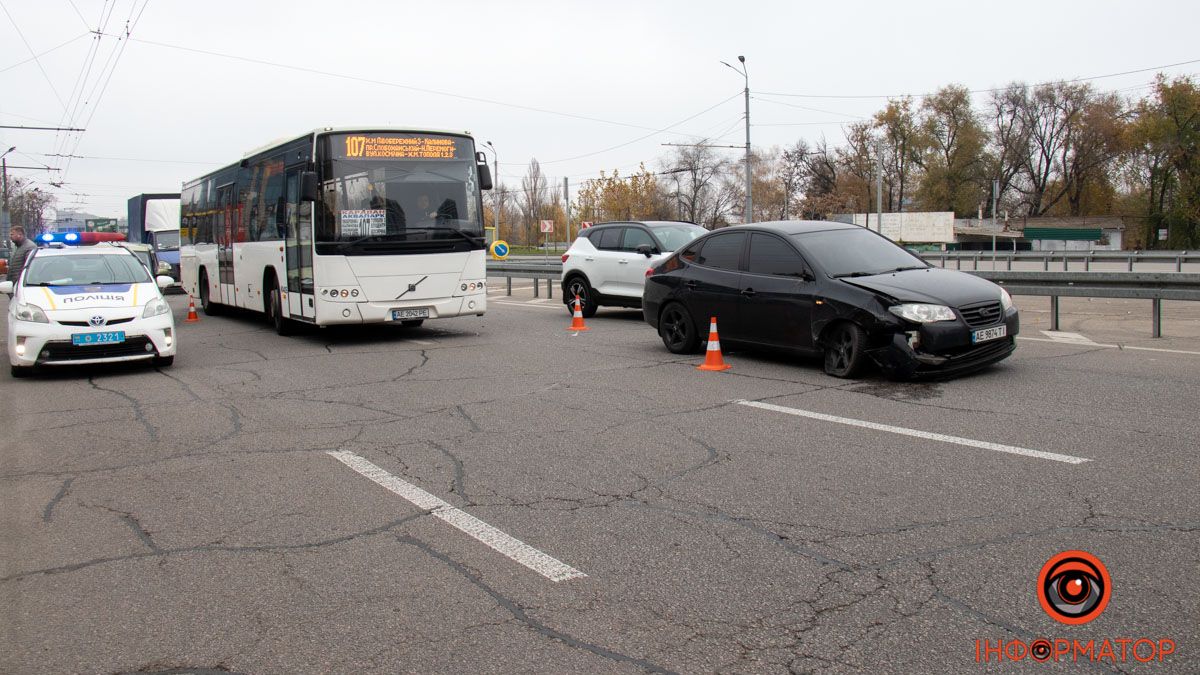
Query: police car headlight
(1005,300)
(31,313)
(155,307)
(922,313)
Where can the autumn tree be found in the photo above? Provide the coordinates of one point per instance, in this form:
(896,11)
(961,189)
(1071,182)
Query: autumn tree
(531,201)
(1164,161)
(614,197)
(903,143)
(27,205)
(952,162)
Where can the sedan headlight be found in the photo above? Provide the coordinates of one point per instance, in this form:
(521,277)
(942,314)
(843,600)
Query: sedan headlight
(1005,300)
(155,307)
(31,313)
(922,313)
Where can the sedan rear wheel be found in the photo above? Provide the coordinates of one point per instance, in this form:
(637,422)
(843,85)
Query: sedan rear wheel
(845,350)
(678,330)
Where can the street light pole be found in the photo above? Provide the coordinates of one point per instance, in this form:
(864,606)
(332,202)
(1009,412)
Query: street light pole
(749,215)
(496,198)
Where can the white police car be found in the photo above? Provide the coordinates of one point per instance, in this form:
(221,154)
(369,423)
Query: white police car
(94,304)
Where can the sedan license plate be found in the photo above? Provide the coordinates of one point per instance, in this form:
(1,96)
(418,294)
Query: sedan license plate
(414,313)
(111,337)
(989,334)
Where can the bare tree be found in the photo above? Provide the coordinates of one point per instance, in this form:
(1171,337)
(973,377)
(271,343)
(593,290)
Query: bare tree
(532,200)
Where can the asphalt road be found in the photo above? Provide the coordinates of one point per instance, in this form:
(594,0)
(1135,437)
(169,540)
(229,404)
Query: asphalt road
(499,494)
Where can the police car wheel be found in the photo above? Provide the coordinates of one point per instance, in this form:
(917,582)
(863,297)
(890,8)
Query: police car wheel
(164,361)
(22,371)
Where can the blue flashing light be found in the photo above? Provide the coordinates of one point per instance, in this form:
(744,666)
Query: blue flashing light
(47,237)
(72,236)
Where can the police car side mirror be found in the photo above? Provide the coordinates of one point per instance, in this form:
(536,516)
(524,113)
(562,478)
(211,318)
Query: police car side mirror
(6,287)
(163,281)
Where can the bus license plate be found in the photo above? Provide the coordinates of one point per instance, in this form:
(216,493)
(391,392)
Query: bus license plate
(989,334)
(111,337)
(406,314)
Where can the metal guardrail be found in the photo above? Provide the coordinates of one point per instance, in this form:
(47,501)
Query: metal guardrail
(527,269)
(1152,286)
(1060,258)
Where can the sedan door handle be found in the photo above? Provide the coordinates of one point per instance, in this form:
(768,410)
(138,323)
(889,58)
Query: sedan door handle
(748,292)
(691,283)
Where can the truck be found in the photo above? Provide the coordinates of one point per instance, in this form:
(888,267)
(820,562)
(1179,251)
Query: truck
(154,220)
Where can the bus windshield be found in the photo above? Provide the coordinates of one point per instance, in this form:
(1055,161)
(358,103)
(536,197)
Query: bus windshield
(398,193)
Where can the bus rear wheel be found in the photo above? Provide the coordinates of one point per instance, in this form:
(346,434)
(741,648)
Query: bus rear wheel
(210,308)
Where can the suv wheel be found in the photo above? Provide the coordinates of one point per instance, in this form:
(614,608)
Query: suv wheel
(578,286)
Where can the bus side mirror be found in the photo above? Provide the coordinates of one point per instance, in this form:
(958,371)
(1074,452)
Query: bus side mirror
(485,177)
(309,190)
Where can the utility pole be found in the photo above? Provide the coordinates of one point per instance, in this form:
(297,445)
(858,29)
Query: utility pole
(567,207)
(749,215)
(879,187)
(5,220)
(995,194)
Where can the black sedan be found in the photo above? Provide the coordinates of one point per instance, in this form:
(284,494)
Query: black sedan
(831,289)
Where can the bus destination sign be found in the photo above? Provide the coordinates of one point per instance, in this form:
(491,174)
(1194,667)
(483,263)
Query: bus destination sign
(408,146)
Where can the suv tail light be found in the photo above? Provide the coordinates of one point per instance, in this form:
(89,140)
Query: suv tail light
(565,256)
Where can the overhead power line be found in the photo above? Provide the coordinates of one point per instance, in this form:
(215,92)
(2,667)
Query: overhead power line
(35,57)
(989,90)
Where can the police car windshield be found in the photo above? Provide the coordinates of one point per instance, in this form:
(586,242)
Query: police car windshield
(85,270)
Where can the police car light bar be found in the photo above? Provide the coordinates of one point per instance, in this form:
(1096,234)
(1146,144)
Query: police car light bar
(79,238)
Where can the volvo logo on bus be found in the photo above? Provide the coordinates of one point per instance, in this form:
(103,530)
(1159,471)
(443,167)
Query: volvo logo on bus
(412,287)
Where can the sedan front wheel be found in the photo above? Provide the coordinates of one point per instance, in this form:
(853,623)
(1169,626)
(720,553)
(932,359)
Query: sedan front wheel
(845,350)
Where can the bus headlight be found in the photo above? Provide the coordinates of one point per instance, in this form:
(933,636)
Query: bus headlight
(155,307)
(31,313)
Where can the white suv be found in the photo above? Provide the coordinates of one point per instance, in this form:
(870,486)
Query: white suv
(607,264)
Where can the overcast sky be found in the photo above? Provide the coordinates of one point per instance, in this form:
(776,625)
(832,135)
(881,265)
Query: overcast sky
(581,86)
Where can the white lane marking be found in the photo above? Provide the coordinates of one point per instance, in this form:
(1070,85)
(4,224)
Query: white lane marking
(423,343)
(525,305)
(986,445)
(1063,336)
(1104,346)
(537,301)
(545,565)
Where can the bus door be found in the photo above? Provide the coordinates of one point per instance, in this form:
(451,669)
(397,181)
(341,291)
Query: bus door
(299,249)
(227,227)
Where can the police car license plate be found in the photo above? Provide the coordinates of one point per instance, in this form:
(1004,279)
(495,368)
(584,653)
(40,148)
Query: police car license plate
(989,334)
(406,314)
(111,337)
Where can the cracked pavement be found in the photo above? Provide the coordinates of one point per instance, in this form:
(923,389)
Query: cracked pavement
(189,520)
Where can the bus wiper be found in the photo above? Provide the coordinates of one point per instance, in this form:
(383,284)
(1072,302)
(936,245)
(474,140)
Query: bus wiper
(363,240)
(460,233)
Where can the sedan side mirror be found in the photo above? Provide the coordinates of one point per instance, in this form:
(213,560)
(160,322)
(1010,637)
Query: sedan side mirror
(807,276)
(163,281)
(646,250)
(164,267)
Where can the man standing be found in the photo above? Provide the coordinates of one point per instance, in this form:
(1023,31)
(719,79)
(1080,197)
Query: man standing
(21,248)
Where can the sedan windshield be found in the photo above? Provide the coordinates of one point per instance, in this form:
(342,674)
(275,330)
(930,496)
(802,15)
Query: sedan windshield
(856,252)
(85,270)
(674,235)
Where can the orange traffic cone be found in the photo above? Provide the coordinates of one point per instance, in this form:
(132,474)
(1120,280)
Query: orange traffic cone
(192,317)
(712,358)
(577,317)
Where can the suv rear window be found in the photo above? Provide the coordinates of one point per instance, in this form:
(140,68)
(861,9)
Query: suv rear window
(609,239)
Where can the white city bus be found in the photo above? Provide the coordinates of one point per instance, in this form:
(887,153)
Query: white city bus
(341,226)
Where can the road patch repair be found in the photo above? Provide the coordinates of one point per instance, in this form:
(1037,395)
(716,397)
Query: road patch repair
(516,550)
(943,438)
